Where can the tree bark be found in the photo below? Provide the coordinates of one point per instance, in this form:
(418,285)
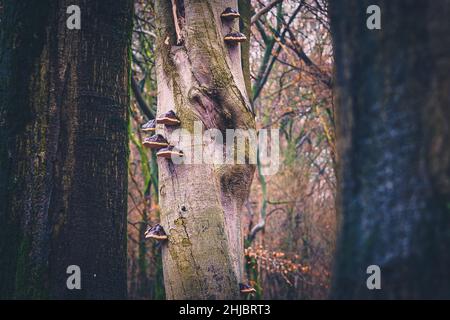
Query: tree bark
(392,88)
(245,10)
(202,80)
(64,148)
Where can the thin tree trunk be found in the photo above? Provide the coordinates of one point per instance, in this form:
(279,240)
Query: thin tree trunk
(245,10)
(200,203)
(392,89)
(63,149)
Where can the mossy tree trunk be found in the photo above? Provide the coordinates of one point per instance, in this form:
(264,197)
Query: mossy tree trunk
(202,80)
(393,106)
(63,148)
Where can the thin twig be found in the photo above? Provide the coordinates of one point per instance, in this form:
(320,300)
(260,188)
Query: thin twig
(264,10)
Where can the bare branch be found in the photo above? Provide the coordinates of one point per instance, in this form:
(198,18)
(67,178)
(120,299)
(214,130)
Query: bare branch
(264,10)
(175,21)
(140,99)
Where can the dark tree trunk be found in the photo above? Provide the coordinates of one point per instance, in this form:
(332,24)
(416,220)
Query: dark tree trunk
(393,101)
(63,148)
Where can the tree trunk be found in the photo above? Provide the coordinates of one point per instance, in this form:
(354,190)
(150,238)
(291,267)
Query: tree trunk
(392,88)
(202,80)
(63,149)
(246,10)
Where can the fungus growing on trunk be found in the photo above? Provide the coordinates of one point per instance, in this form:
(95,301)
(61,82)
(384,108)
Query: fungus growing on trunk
(156,232)
(156,141)
(169,118)
(235,38)
(169,152)
(230,14)
(149,126)
(245,288)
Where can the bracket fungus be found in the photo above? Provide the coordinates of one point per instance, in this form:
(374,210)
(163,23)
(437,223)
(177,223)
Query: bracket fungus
(245,288)
(156,232)
(149,126)
(235,37)
(169,118)
(170,151)
(230,14)
(156,141)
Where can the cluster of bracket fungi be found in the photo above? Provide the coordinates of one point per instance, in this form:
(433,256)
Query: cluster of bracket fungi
(157,141)
(166,150)
(234,37)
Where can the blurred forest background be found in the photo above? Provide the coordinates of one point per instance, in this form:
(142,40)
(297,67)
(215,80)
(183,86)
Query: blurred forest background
(289,220)
(364,131)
